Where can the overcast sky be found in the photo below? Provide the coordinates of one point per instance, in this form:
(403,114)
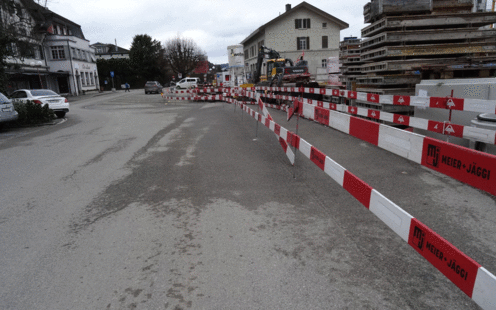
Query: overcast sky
(212,24)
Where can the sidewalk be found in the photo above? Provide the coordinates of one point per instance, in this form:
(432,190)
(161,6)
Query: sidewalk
(91,95)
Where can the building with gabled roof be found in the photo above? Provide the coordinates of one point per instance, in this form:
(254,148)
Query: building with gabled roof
(304,29)
(61,58)
(107,51)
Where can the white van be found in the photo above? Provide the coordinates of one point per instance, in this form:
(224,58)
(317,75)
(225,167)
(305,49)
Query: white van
(188,82)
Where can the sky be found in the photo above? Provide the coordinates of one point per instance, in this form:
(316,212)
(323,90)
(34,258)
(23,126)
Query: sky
(212,24)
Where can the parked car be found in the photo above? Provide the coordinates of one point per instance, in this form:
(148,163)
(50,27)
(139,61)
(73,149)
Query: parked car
(7,111)
(57,103)
(189,82)
(153,87)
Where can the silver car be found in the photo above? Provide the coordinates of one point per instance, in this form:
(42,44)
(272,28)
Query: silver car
(57,103)
(153,87)
(7,111)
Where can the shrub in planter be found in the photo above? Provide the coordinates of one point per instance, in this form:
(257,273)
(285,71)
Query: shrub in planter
(32,113)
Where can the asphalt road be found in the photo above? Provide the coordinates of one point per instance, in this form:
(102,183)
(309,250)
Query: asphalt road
(133,202)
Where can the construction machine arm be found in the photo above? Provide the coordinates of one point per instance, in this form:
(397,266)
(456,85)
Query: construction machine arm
(262,51)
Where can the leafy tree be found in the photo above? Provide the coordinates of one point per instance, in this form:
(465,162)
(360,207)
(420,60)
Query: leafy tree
(123,72)
(144,55)
(182,55)
(14,26)
(18,33)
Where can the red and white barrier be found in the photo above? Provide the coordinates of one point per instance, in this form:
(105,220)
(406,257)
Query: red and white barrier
(460,104)
(474,280)
(446,128)
(466,165)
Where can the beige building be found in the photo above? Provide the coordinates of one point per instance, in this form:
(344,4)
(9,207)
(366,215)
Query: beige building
(108,51)
(302,29)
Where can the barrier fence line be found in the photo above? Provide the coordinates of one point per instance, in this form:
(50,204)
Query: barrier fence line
(469,166)
(445,128)
(473,279)
(450,103)
(463,164)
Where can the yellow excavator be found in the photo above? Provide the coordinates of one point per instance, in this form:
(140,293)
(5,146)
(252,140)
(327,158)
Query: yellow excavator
(280,71)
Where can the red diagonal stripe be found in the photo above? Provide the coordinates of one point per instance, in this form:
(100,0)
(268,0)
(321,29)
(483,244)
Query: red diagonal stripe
(358,188)
(317,157)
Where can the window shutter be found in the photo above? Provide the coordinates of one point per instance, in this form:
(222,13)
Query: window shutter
(308,23)
(296,24)
(298,44)
(308,43)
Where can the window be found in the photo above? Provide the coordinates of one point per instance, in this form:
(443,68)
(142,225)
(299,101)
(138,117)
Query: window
(82,79)
(324,25)
(73,51)
(252,51)
(37,52)
(302,23)
(91,79)
(58,52)
(324,42)
(246,54)
(83,55)
(303,43)
(324,63)
(260,44)
(87,78)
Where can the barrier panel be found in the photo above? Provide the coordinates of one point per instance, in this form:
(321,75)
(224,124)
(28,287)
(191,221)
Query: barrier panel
(469,276)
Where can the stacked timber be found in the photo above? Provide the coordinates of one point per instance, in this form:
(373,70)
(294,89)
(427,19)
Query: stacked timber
(411,40)
(350,60)
(399,49)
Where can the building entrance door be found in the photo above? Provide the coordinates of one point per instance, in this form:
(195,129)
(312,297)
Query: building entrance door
(63,84)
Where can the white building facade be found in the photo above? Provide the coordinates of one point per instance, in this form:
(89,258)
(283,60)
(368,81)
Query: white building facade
(70,57)
(72,63)
(60,58)
(303,29)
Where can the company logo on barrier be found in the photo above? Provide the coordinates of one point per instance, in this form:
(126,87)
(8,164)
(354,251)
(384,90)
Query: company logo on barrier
(432,155)
(401,119)
(449,129)
(374,114)
(322,115)
(418,238)
(450,103)
(317,157)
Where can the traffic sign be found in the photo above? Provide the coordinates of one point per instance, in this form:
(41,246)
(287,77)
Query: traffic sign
(111,73)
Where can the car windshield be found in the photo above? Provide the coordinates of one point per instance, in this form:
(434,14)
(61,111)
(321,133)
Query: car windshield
(43,92)
(4,99)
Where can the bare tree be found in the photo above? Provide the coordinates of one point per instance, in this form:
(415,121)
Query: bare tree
(182,55)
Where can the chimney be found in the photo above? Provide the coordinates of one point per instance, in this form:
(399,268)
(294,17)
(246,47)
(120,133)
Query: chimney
(288,7)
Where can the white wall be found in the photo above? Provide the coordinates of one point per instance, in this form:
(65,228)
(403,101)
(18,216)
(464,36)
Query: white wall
(281,36)
(79,67)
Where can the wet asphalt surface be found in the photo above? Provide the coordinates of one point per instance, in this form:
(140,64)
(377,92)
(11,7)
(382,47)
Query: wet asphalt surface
(134,202)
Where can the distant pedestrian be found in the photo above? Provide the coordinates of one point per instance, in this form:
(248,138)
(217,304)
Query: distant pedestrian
(127,88)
